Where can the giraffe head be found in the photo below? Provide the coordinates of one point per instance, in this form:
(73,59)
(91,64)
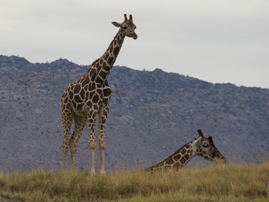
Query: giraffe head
(206,148)
(127,26)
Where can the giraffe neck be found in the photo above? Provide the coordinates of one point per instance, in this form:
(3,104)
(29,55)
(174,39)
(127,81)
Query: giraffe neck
(113,49)
(102,66)
(177,160)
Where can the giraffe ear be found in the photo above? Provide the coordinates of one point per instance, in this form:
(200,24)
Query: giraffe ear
(211,141)
(201,134)
(116,24)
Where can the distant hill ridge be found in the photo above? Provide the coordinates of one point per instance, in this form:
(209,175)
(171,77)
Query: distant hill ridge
(153,113)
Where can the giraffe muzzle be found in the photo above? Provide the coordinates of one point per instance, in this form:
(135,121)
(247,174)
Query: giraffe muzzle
(134,36)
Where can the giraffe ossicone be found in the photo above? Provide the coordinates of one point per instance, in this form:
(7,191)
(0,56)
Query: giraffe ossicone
(88,98)
(201,146)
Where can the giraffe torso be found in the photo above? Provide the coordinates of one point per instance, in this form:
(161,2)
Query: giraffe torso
(92,90)
(86,93)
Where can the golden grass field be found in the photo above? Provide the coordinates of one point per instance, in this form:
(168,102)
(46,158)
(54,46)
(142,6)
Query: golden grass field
(231,182)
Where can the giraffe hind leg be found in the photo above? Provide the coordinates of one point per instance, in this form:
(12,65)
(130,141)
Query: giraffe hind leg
(80,122)
(67,124)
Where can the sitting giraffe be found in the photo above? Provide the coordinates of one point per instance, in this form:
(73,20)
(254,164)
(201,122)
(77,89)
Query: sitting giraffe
(200,146)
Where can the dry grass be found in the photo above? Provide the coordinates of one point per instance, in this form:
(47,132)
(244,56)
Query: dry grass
(235,182)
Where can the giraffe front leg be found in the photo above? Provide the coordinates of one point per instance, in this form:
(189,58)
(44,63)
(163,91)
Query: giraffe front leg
(102,144)
(92,139)
(92,145)
(102,141)
(73,150)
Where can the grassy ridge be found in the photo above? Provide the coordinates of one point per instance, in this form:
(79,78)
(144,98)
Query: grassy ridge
(235,182)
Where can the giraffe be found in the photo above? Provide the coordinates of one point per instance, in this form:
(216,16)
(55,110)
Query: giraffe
(88,98)
(200,146)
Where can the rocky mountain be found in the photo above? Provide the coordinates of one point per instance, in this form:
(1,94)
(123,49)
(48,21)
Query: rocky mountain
(152,114)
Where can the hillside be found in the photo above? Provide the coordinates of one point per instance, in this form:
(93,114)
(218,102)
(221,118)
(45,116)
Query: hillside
(152,114)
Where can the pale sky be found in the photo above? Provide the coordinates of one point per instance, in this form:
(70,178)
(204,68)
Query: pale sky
(219,41)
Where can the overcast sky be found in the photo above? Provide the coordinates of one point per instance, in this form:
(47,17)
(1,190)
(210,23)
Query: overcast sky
(220,41)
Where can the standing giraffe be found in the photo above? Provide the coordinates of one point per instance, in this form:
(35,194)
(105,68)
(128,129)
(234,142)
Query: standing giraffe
(200,146)
(88,97)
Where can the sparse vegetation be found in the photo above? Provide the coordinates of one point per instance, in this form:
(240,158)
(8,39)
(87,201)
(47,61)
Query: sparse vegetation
(234,182)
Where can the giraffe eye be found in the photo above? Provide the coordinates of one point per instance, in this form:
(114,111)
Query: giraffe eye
(205,145)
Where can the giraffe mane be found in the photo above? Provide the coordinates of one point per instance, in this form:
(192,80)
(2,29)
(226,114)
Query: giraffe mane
(179,149)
